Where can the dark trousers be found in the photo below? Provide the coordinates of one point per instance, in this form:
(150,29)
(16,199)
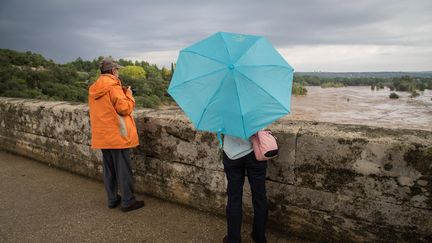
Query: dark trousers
(118,174)
(256,172)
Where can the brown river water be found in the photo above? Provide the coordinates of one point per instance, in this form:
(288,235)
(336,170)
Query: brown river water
(361,105)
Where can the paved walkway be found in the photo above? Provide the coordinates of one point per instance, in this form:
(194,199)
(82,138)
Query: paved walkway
(43,204)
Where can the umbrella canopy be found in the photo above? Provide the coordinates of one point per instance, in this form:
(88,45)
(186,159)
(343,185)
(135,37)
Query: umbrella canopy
(232,83)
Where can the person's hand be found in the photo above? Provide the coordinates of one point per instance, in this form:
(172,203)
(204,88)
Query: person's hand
(127,89)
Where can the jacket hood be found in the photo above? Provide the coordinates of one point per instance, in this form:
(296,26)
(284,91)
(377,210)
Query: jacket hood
(103,85)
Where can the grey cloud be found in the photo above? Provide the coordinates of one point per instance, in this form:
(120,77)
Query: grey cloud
(64,30)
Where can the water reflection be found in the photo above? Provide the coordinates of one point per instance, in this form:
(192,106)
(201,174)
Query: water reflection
(361,105)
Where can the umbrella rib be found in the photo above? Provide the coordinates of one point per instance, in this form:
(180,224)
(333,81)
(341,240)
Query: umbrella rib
(258,65)
(241,110)
(213,59)
(195,78)
(226,47)
(217,91)
(262,89)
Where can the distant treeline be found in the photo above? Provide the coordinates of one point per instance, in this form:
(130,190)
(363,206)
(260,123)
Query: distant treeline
(401,83)
(424,74)
(30,75)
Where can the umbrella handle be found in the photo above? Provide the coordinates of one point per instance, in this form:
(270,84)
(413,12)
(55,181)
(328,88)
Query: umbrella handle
(219,136)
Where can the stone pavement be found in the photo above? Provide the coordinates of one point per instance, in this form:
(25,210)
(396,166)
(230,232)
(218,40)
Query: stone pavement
(43,204)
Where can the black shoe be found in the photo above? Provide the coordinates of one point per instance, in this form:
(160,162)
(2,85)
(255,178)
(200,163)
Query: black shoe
(116,203)
(254,240)
(225,239)
(136,205)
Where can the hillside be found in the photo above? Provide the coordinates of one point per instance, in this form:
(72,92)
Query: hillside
(30,75)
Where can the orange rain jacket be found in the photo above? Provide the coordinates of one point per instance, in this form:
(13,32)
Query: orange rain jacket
(111,106)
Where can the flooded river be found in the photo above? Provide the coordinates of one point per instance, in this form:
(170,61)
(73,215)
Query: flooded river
(361,105)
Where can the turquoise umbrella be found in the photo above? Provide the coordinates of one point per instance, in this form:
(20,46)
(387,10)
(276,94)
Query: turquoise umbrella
(232,83)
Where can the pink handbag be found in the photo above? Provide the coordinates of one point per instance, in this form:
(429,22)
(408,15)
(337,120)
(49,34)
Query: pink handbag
(264,145)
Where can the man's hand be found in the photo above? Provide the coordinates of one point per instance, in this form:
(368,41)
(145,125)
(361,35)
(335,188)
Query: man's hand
(127,89)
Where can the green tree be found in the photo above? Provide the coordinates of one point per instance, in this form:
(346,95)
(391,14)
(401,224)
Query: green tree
(166,74)
(132,72)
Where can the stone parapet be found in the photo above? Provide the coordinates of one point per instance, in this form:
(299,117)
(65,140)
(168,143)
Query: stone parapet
(330,183)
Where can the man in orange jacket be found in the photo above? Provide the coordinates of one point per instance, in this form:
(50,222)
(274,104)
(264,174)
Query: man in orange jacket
(114,132)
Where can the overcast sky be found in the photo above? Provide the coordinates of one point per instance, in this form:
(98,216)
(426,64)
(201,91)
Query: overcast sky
(312,35)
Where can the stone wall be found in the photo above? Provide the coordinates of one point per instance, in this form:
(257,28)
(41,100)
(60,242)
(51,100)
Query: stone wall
(330,183)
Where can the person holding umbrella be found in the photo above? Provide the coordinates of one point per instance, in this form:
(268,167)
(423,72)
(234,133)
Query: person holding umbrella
(235,84)
(114,132)
(239,160)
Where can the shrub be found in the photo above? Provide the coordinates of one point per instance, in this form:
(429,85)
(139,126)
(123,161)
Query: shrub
(394,96)
(298,89)
(414,94)
(151,101)
(332,85)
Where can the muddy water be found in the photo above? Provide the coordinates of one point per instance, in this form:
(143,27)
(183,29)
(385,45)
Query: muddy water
(361,105)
